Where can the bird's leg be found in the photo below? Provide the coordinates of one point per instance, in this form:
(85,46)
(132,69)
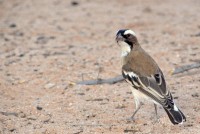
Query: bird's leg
(137,109)
(156,111)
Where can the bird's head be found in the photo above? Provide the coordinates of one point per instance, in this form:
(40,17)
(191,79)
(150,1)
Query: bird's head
(126,39)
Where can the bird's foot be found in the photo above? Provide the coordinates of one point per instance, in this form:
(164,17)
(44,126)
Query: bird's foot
(130,119)
(155,120)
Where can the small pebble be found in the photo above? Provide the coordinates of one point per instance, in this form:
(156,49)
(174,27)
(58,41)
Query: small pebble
(49,85)
(13,25)
(195,95)
(74,3)
(39,108)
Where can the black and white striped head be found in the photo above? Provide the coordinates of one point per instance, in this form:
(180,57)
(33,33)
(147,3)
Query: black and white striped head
(127,40)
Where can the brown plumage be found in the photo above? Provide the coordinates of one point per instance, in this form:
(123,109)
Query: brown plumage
(146,78)
(132,62)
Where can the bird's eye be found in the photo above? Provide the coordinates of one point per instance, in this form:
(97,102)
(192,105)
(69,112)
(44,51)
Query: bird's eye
(128,35)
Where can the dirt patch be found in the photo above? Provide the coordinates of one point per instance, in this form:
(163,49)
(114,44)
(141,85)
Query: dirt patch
(45,44)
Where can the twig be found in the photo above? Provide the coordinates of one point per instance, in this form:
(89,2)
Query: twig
(9,113)
(186,68)
(101,81)
(119,78)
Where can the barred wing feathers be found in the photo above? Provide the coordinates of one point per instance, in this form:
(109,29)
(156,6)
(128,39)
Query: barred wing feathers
(154,86)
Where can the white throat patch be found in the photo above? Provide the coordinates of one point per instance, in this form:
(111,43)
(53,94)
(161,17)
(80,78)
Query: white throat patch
(125,48)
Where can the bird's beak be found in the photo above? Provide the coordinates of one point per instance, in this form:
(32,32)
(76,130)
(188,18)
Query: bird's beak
(119,37)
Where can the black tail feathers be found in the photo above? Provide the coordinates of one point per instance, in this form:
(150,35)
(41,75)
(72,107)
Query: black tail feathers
(175,115)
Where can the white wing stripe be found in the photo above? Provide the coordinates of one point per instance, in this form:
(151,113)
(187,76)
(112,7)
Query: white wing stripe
(132,76)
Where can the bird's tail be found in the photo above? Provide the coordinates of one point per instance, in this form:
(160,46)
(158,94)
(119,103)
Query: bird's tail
(175,115)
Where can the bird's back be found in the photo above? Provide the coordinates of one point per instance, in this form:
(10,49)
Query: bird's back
(140,62)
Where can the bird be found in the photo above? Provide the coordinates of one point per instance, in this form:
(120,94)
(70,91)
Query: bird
(145,77)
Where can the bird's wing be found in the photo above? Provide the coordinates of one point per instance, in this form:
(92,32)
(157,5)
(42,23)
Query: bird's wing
(153,86)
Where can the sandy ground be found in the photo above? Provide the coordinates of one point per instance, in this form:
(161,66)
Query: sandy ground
(46,44)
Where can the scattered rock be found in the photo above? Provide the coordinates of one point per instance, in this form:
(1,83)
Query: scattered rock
(81,93)
(59,28)
(6,39)
(91,116)
(97,99)
(35,70)
(21,81)
(12,130)
(87,89)
(22,115)
(147,10)
(11,61)
(188,125)
(74,3)
(46,54)
(39,108)
(120,106)
(130,131)
(17,33)
(195,95)
(21,55)
(128,92)
(196,35)
(49,85)
(32,117)
(78,132)
(73,53)
(13,25)
(70,46)
(45,118)
(43,39)
(37,126)
(173,43)
(103,103)
(10,126)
